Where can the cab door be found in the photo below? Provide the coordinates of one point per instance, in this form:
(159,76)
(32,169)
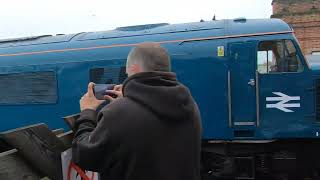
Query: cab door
(285,90)
(241,77)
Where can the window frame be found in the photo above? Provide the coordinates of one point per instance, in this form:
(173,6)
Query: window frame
(300,59)
(109,67)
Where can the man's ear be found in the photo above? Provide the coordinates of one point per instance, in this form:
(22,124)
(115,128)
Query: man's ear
(135,68)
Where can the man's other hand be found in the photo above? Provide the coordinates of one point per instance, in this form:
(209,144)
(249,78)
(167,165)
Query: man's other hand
(117,90)
(89,101)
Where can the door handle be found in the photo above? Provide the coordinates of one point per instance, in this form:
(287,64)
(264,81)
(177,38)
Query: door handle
(252,82)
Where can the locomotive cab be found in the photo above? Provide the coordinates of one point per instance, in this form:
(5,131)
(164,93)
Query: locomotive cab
(272,84)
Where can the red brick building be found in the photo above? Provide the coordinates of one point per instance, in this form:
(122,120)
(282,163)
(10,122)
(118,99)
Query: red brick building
(304,17)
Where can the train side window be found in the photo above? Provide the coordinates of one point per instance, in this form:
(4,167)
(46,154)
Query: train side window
(278,57)
(110,75)
(28,88)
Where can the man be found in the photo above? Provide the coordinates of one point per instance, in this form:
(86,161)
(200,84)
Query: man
(151,132)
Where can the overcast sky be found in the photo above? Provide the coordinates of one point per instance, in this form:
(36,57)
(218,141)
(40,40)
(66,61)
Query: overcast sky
(20,18)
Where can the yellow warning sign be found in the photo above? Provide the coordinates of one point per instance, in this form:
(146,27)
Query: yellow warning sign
(220,51)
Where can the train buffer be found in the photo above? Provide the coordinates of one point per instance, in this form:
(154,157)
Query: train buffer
(33,153)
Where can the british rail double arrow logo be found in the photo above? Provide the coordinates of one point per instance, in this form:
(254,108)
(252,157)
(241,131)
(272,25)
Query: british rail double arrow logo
(283,102)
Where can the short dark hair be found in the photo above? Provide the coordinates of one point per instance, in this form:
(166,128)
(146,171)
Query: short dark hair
(151,56)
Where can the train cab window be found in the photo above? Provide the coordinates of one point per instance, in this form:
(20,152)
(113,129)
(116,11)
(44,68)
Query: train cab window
(278,57)
(28,88)
(111,75)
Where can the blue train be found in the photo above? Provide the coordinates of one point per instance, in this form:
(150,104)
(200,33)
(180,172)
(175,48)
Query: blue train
(258,96)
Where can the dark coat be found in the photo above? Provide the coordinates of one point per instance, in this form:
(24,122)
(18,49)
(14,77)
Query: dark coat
(152,133)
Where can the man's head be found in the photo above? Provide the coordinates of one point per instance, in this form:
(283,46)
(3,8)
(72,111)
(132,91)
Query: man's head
(147,57)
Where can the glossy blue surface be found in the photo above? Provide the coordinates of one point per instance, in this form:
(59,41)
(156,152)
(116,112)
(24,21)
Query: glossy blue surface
(195,60)
(314,61)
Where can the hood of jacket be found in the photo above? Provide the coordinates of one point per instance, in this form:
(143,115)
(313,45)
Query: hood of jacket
(161,93)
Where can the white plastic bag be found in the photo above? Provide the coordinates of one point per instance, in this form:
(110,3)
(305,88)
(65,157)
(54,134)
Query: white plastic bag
(71,171)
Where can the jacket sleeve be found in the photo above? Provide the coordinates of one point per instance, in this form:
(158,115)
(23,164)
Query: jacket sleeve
(91,143)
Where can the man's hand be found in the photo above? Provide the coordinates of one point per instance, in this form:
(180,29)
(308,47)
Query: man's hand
(117,90)
(89,101)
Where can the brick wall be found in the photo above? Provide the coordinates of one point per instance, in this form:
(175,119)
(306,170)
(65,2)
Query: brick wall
(294,6)
(304,17)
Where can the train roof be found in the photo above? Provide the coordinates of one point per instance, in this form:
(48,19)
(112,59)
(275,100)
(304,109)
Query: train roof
(238,26)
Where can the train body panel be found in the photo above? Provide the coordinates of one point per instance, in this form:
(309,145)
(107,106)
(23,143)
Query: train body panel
(42,79)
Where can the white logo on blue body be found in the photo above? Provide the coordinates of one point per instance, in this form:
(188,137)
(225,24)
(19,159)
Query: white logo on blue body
(283,103)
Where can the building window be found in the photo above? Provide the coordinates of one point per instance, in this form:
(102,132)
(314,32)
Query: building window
(111,75)
(28,88)
(278,57)
(316,53)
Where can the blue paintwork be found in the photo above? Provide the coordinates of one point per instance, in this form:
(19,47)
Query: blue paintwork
(242,69)
(315,66)
(196,64)
(314,62)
